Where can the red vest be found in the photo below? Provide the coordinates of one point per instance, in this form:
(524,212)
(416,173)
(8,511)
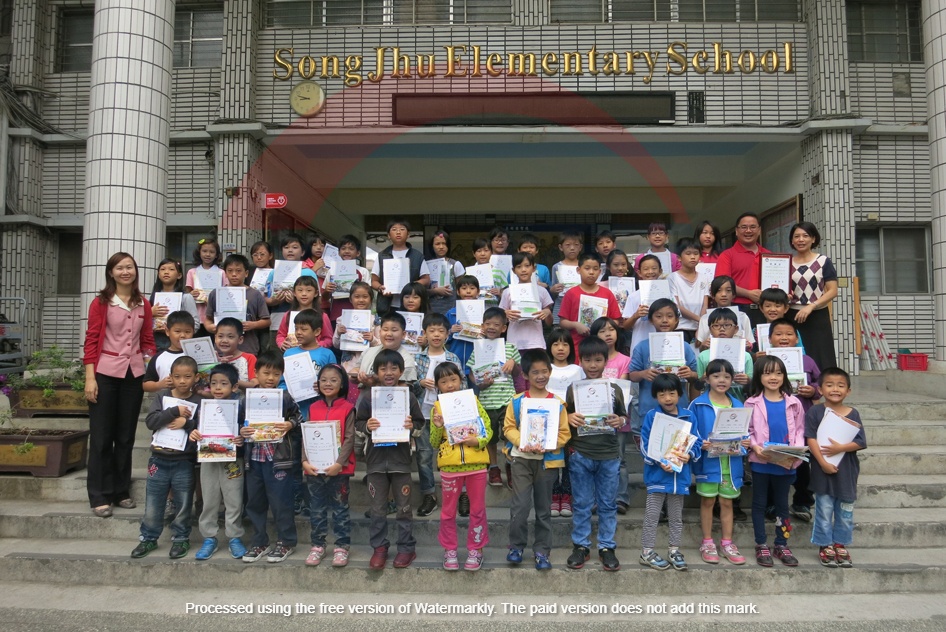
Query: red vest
(339,411)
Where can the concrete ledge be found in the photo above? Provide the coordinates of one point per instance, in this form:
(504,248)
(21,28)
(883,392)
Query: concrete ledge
(931,383)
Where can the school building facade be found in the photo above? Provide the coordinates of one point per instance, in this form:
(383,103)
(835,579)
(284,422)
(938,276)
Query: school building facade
(144,125)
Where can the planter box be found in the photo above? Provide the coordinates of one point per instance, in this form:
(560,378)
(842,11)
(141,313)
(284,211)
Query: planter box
(28,402)
(52,455)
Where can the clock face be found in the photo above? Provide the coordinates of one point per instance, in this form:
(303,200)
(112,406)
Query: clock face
(307,98)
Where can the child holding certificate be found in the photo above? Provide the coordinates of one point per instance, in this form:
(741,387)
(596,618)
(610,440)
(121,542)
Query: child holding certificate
(596,410)
(180,326)
(227,339)
(250,306)
(468,289)
(281,288)
(389,461)
(834,434)
(349,247)
(565,371)
(351,354)
(528,307)
(663,483)
(172,417)
(170,284)
(777,418)
(270,463)
(462,458)
(723,324)
(308,327)
(305,292)
(328,486)
(717,476)
(204,276)
(723,292)
(535,458)
(635,310)
(588,301)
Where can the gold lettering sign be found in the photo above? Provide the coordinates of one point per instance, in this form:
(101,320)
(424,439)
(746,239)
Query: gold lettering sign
(677,59)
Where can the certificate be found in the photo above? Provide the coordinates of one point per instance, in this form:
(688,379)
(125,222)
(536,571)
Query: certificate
(167,402)
(170,300)
(356,322)
(762,336)
(667,348)
(593,399)
(470,318)
(300,377)
(666,261)
(776,271)
(396,274)
(206,281)
(841,429)
(538,426)
(201,350)
(343,274)
(322,443)
(568,276)
(219,418)
(731,423)
(230,302)
(461,417)
(390,406)
(731,349)
(430,394)
(524,298)
(484,275)
(622,287)
(413,330)
(662,433)
(489,356)
(168,439)
(503,263)
(263,412)
(591,308)
(791,357)
(259,280)
(653,290)
(330,255)
(707,272)
(285,274)
(441,273)
(625,386)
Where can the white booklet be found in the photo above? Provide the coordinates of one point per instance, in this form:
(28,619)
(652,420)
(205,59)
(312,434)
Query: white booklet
(524,298)
(662,434)
(667,349)
(490,356)
(173,439)
(792,357)
(841,429)
(503,263)
(707,272)
(230,302)
(441,273)
(461,416)
(218,427)
(285,274)
(592,398)
(538,425)
(622,287)
(263,412)
(259,279)
(666,261)
(762,336)
(653,290)
(396,274)
(322,443)
(300,376)
(731,349)
(206,281)
(343,274)
(357,322)
(470,318)
(201,350)
(170,300)
(391,406)
(484,275)
(591,308)
(413,331)
(568,276)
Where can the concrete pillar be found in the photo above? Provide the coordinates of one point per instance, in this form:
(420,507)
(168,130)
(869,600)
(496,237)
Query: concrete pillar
(934,41)
(129,133)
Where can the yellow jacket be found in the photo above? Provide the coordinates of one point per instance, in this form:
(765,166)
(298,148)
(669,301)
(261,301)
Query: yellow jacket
(555,458)
(460,458)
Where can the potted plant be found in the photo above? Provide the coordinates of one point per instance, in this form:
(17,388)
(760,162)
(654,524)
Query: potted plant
(40,452)
(51,385)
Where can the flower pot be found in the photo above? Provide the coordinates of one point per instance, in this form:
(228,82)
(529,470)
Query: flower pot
(54,452)
(29,401)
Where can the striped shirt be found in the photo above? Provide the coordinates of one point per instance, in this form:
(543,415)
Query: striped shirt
(499,393)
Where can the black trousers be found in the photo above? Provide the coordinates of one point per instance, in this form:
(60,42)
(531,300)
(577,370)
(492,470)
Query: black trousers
(113,420)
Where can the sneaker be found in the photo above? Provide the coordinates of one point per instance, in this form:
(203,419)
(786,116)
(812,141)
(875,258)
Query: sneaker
(556,505)
(427,506)
(179,549)
(237,549)
(463,505)
(844,558)
(279,553)
(514,556)
(653,560)
(256,553)
(733,555)
(708,553)
(676,560)
(801,512)
(207,549)
(785,554)
(622,508)
(565,510)
(144,547)
(340,557)
(379,558)
(542,562)
(495,478)
(580,555)
(316,553)
(763,556)
(403,560)
(450,560)
(828,556)
(608,559)
(474,560)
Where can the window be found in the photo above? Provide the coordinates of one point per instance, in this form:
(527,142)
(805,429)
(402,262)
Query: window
(68,261)
(675,11)
(75,41)
(198,38)
(6,18)
(893,260)
(884,30)
(310,13)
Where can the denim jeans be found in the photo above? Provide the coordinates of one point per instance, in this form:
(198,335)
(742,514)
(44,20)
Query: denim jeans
(329,493)
(425,460)
(834,521)
(624,494)
(594,481)
(763,486)
(267,489)
(164,475)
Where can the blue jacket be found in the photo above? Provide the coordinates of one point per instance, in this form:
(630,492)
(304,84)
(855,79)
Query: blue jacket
(656,480)
(707,469)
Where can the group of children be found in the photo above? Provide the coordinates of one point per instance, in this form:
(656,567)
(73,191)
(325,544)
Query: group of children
(569,328)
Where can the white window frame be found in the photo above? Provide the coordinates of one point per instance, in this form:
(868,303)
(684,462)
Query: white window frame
(927,257)
(191,10)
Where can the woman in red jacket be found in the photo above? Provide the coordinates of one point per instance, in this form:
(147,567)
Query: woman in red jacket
(118,338)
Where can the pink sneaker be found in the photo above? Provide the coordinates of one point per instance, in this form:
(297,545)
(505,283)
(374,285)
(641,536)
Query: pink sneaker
(316,553)
(732,554)
(556,505)
(450,561)
(708,552)
(340,557)
(474,560)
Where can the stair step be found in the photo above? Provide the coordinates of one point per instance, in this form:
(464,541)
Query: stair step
(911,459)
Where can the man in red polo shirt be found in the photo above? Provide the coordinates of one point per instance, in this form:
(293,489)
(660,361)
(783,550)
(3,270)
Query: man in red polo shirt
(743,262)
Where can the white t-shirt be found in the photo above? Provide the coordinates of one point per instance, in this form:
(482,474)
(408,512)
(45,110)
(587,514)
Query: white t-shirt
(745,326)
(163,362)
(376,269)
(562,377)
(690,296)
(642,326)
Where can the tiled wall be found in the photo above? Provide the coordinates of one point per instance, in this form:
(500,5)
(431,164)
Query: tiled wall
(889,93)
(907,321)
(892,178)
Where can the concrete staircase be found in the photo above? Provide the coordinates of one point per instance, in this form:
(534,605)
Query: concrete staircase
(50,539)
